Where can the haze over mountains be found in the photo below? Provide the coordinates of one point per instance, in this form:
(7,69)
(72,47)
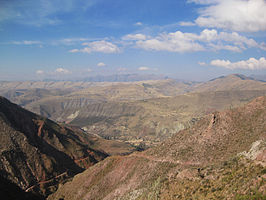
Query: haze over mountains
(194,134)
(144,112)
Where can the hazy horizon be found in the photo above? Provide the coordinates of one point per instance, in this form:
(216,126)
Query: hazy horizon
(133,77)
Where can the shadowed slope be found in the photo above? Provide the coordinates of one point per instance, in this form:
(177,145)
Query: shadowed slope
(37,153)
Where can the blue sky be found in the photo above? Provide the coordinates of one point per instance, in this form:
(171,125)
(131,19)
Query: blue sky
(186,39)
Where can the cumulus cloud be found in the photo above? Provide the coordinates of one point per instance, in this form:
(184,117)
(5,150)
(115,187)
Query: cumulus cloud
(190,42)
(138,36)
(236,15)
(173,42)
(61,70)
(101,64)
(143,68)
(250,64)
(98,46)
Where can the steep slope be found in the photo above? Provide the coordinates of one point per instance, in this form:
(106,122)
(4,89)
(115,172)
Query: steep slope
(10,191)
(142,113)
(37,153)
(221,157)
(230,82)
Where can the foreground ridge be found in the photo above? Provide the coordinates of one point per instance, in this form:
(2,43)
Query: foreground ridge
(203,162)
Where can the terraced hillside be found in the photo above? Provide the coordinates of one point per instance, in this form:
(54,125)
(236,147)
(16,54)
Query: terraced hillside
(221,157)
(37,154)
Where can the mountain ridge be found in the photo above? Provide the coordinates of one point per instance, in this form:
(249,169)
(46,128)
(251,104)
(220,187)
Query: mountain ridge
(37,154)
(180,169)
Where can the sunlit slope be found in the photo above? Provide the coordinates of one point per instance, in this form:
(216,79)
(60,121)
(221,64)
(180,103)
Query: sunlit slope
(146,121)
(221,157)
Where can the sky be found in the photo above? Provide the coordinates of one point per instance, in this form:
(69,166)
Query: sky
(185,39)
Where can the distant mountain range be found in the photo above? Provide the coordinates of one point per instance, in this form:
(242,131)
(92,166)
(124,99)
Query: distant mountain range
(261,77)
(125,78)
(143,112)
(115,78)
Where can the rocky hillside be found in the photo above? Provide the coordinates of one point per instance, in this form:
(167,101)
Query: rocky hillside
(142,113)
(37,154)
(230,82)
(93,91)
(221,157)
(146,121)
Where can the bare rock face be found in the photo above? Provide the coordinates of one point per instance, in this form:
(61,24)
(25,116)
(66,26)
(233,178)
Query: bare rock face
(38,154)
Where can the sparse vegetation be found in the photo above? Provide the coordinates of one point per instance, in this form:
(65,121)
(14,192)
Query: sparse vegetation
(209,167)
(216,155)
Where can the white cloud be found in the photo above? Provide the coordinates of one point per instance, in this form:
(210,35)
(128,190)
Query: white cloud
(89,70)
(27,42)
(250,64)
(218,47)
(98,46)
(138,36)
(39,72)
(173,42)
(187,24)
(101,64)
(74,50)
(138,24)
(202,63)
(237,15)
(143,68)
(61,70)
(190,42)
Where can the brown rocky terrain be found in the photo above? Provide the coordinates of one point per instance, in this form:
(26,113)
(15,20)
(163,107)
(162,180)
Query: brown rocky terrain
(37,154)
(231,82)
(142,113)
(145,121)
(221,157)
